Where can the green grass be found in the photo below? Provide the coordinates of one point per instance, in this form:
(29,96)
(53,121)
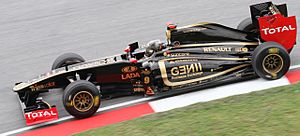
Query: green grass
(272,112)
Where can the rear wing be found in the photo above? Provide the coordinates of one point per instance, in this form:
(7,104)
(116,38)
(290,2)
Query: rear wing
(275,24)
(267,8)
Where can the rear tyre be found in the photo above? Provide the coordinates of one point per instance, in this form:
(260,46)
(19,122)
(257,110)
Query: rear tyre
(270,60)
(66,59)
(81,99)
(247,26)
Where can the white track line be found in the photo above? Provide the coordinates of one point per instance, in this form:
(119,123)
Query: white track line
(294,67)
(165,102)
(215,93)
(125,104)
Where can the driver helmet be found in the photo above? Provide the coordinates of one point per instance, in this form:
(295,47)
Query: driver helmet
(153,46)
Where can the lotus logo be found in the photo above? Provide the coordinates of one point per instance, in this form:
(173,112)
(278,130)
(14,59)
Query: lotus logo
(129,69)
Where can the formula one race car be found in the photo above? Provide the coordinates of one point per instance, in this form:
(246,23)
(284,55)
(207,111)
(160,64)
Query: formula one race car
(194,56)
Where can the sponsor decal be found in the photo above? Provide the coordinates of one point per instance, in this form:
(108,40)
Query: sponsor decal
(70,68)
(149,91)
(191,30)
(129,69)
(219,44)
(40,116)
(130,75)
(172,61)
(146,72)
(217,49)
(138,89)
(225,49)
(91,64)
(280,29)
(146,80)
(185,71)
(194,25)
(177,72)
(130,72)
(176,54)
(244,49)
(37,87)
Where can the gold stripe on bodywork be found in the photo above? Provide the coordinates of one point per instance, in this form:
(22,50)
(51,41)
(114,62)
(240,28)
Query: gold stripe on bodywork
(215,44)
(233,59)
(227,59)
(164,74)
(192,25)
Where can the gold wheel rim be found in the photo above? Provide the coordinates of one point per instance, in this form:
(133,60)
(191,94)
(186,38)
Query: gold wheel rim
(83,101)
(272,63)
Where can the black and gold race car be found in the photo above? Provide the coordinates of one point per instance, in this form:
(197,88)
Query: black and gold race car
(193,57)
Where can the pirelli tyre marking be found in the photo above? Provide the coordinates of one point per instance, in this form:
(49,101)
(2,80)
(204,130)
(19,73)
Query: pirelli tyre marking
(178,72)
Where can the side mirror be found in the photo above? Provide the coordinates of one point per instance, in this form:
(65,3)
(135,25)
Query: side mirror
(132,47)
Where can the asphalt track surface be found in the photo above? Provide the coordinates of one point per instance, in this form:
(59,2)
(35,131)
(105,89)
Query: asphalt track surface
(34,32)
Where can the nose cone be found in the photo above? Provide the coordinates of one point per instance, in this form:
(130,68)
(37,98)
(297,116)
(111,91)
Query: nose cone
(19,87)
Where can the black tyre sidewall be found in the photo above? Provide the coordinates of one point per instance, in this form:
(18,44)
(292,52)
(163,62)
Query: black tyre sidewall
(75,87)
(72,58)
(261,52)
(246,25)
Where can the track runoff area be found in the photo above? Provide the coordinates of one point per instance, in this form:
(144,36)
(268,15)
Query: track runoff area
(140,107)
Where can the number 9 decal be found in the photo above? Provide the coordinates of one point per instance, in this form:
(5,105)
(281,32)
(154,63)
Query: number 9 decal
(146,80)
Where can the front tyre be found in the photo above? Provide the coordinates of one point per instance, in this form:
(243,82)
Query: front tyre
(81,99)
(66,59)
(270,60)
